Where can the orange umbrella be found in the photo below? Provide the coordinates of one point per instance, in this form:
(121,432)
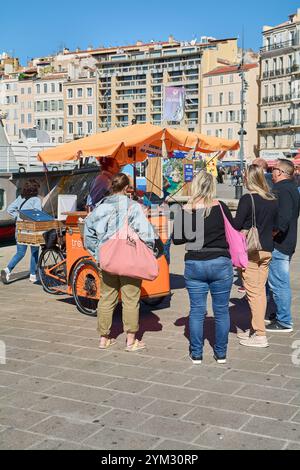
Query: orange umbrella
(134,143)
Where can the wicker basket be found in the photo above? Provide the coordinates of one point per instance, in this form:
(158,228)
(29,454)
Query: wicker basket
(31,233)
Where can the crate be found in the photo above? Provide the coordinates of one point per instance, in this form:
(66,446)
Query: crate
(31,233)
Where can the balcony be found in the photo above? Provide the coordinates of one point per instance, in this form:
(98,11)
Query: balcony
(139,110)
(280,45)
(272,124)
(296,144)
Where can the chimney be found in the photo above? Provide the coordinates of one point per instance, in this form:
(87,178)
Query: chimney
(171,39)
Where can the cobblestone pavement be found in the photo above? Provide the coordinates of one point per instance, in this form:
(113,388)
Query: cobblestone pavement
(58,391)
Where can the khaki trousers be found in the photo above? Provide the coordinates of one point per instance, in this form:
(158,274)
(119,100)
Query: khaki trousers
(255,278)
(130,288)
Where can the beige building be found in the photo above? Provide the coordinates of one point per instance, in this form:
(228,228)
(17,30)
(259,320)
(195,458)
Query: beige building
(49,105)
(26,103)
(9,105)
(221,108)
(279,102)
(131,79)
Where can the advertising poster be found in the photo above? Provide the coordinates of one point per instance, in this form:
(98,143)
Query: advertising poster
(173,178)
(173,103)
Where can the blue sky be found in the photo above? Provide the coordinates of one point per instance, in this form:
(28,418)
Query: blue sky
(34,28)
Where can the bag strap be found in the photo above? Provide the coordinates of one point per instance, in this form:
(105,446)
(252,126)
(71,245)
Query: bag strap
(24,202)
(253,211)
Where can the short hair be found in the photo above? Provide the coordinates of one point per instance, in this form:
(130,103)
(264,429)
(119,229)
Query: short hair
(119,182)
(287,167)
(30,189)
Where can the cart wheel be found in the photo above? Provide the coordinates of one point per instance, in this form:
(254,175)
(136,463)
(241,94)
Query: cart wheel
(86,287)
(52,259)
(154,301)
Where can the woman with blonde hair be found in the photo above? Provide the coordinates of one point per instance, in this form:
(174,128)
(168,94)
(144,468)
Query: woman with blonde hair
(208,267)
(258,208)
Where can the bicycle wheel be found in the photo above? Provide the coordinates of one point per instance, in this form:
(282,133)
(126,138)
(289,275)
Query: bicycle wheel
(52,270)
(86,287)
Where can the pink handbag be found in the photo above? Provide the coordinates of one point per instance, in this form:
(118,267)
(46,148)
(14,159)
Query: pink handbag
(237,244)
(125,254)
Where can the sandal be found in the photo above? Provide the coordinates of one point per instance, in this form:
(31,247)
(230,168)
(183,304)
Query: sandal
(136,346)
(109,342)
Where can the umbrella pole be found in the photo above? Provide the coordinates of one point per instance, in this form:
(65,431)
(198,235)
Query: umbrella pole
(134,168)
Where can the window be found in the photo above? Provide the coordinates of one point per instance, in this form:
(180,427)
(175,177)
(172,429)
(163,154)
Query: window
(60,105)
(70,93)
(89,127)
(53,127)
(265,116)
(266,91)
(38,88)
(46,106)
(79,92)
(230,133)
(60,87)
(52,87)
(60,124)
(231,78)
(210,81)
(29,118)
(90,92)
(70,128)
(221,79)
(79,109)
(221,116)
(209,100)
(70,110)
(2,199)
(29,91)
(22,91)
(45,88)
(22,118)
(230,97)
(221,95)
(53,105)
(90,109)
(217,117)
(79,128)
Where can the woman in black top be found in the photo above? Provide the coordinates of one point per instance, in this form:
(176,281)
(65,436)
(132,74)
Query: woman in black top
(208,265)
(256,274)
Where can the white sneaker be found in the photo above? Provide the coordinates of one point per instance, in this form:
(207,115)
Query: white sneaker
(32,278)
(255,341)
(5,275)
(243,334)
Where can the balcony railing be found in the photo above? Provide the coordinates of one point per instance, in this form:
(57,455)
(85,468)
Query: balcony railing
(280,45)
(271,124)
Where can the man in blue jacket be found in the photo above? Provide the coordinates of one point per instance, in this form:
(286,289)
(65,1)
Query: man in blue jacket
(285,241)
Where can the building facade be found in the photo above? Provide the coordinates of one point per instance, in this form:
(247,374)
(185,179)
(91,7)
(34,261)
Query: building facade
(49,105)
(221,110)
(9,105)
(131,80)
(279,97)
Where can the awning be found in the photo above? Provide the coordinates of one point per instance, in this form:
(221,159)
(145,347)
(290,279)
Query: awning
(143,138)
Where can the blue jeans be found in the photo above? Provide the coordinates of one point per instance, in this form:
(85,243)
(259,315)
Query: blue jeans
(216,276)
(21,251)
(279,282)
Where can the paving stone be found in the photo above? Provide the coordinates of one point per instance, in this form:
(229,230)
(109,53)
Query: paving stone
(24,354)
(218,386)
(71,409)
(168,409)
(166,392)
(117,439)
(52,444)
(118,418)
(82,393)
(34,384)
(287,371)
(293,446)
(22,399)
(292,384)
(13,439)
(61,427)
(170,378)
(217,417)
(10,379)
(249,365)
(220,438)
(167,444)
(126,401)
(262,393)
(273,428)
(273,410)
(38,370)
(84,378)
(225,402)
(255,378)
(21,419)
(131,385)
(130,372)
(285,359)
(165,427)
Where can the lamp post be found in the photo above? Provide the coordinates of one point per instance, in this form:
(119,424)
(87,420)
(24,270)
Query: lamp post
(241,132)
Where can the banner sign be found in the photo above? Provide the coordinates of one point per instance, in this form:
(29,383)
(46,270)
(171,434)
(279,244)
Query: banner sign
(188,170)
(173,103)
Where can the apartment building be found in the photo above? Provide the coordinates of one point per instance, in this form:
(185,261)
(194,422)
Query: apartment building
(221,109)
(279,100)
(131,79)
(49,105)
(9,104)
(26,103)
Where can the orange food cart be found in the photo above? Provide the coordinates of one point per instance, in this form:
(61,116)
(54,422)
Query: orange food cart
(68,268)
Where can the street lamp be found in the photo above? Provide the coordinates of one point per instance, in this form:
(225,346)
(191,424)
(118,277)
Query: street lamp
(241,132)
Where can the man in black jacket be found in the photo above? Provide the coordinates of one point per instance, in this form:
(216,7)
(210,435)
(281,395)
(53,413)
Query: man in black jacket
(284,244)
